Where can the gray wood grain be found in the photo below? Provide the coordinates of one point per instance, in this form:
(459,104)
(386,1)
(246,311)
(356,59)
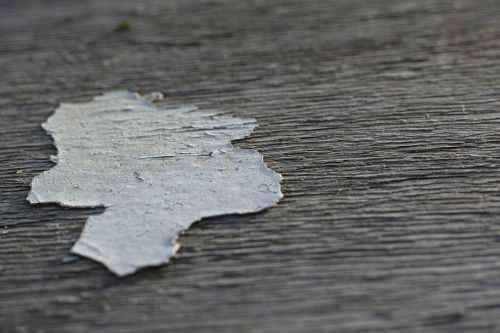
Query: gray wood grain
(381,115)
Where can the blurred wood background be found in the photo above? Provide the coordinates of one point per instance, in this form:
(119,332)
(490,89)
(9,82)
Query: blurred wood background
(382,116)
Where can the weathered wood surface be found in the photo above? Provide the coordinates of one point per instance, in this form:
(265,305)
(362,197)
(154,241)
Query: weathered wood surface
(382,116)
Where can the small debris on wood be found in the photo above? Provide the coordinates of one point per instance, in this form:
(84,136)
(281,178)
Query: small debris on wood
(122,26)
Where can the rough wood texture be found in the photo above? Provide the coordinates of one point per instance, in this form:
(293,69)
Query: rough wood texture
(381,115)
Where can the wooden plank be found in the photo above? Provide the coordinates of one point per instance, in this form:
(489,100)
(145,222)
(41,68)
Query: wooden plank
(381,115)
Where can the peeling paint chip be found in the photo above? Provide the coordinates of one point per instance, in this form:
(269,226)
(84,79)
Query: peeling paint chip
(156,170)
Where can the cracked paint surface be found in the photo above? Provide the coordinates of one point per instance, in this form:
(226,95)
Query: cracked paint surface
(156,170)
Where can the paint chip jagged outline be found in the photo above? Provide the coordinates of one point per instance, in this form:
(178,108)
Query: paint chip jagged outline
(156,171)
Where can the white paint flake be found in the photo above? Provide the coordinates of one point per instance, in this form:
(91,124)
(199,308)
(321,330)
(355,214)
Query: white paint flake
(156,170)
